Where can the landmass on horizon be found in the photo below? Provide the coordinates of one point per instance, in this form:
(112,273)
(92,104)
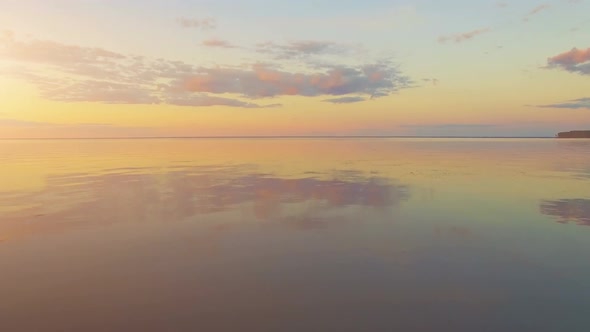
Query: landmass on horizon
(574,134)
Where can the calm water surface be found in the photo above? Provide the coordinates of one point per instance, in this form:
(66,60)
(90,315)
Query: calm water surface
(295,235)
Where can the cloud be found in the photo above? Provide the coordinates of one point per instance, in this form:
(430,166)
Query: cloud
(206,100)
(305,48)
(461,37)
(207,23)
(579,26)
(260,81)
(217,43)
(101,91)
(575,61)
(536,11)
(452,126)
(582,103)
(501,4)
(51,53)
(69,73)
(433,81)
(345,100)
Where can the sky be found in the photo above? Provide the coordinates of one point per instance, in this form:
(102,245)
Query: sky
(180,68)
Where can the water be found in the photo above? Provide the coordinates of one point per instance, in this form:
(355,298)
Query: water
(295,235)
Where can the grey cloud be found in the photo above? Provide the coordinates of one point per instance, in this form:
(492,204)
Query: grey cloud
(582,103)
(536,11)
(433,81)
(207,23)
(304,48)
(345,100)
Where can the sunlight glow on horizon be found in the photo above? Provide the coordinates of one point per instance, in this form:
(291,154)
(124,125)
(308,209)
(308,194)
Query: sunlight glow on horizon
(504,71)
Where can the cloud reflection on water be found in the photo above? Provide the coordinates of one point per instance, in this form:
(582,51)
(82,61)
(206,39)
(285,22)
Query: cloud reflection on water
(568,210)
(140,196)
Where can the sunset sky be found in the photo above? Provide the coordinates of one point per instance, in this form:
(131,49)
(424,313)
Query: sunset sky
(128,68)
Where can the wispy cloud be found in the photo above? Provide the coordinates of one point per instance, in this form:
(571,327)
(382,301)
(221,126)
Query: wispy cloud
(580,25)
(304,48)
(207,23)
(535,11)
(452,126)
(575,61)
(581,103)
(433,81)
(259,81)
(345,100)
(461,37)
(208,100)
(80,74)
(217,43)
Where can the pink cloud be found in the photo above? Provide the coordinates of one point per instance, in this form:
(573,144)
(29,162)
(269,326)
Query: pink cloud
(575,60)
(69,73)
(217,43)
(573,57)
(374,80)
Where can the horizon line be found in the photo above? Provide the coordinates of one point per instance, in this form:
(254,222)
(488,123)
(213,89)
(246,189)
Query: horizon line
(259,137)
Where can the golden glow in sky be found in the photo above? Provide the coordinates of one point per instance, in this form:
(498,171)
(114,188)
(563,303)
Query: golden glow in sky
(102,68)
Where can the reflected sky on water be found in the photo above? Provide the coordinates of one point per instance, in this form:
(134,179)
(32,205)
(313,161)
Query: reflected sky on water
(295,235)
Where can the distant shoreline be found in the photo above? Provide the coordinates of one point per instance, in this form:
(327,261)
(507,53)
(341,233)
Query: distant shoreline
(574,134)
